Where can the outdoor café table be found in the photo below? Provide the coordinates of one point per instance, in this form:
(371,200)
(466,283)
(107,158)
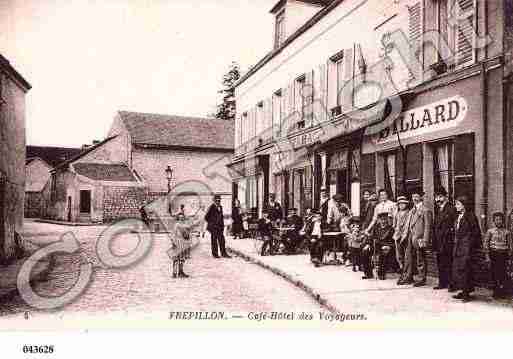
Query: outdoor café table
(332,242)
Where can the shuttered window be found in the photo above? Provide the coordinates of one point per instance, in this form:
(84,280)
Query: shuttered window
(277,105)
(300,101)
(415,31)
(462,24)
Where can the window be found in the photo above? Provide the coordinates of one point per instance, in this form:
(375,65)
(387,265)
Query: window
(300,100)
(53,188)
(279,29)
(259,123)
(443,167)
(461,24)
(336,78)
(244,131)
(390,174)
(277,111)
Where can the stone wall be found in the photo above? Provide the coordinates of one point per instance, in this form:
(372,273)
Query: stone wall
(34,204)
(123,202)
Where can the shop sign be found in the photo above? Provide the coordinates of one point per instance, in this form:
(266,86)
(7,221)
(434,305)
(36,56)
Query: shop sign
(436,116)
(305,139)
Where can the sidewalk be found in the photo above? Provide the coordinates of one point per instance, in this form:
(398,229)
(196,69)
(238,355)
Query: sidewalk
(341,290)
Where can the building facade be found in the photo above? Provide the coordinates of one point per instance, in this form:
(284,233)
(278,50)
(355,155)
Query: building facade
(13,88)
(379,94)
(114,178)
(39,163)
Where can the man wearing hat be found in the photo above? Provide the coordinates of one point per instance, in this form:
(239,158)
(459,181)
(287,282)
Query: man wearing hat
(338,211)
(420,226)
(275,210)
(384,206)
(215,225)
(443,237)
(325,205)
(401,242)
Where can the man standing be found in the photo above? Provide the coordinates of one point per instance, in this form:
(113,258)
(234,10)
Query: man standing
(401,244)
(420,225)
(275,210)
(215,225)
(368,210)
(384,206)
(325,205)
(443,238)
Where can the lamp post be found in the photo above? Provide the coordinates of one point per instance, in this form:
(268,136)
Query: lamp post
(169,176)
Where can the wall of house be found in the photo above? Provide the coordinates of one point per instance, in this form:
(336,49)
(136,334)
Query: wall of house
(37,173)
(12,162)
(34,204)
(114,151)
(150,164)
(123,140)
(298,13)
(123,202)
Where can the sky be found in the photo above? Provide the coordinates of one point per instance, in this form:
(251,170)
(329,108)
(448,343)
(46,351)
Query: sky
(87,59)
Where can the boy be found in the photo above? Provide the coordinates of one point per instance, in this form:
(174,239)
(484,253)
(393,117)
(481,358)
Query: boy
(498,249)
(400,229)
(265,227)
(314,232)
(355,239)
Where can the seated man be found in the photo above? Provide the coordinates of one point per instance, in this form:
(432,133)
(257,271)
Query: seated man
(264,228)
(381,246)
(292,239)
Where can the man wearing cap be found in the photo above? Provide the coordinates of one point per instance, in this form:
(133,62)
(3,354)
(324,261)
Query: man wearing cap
(400,229)
(420,226)
(215,225)
(338,211)
(325,205)
(443,237)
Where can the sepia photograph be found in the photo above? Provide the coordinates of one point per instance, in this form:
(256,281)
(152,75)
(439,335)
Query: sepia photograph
(336,165)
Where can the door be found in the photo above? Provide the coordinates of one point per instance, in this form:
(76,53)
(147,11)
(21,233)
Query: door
(2,211)
(299,192)
(85,202)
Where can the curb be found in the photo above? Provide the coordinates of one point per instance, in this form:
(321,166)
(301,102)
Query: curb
(289,278)
(72,224)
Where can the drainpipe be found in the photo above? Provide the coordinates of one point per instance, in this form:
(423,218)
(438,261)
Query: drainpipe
(484,155)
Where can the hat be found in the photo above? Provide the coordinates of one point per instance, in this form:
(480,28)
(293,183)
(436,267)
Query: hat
(217,197)
(441,191)
(354,219)
(314,211)
(323,189)
(402,199)
(418,191)
(338,197)
(272,195)
(463,200)
(383,215)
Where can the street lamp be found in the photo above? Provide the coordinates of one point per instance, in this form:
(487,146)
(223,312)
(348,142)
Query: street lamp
(169,176)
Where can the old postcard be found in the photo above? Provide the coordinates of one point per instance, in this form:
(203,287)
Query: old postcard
(316,164)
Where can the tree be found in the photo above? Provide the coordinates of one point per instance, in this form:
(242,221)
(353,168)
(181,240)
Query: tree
(226,109)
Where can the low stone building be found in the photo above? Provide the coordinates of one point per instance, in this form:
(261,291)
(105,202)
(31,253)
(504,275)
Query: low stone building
(114,178)
(40,161)
(13,88)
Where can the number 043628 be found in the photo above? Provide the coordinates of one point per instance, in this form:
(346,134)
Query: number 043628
(38,349)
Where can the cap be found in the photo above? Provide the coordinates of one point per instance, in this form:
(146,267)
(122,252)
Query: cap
(217,197)
(354,219)
(383,215)
(338,197)
(323,189)
(418,191)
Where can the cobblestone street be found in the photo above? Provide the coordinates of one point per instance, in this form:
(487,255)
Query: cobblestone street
(231,285)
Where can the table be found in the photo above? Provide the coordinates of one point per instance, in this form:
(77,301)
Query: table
(333,237)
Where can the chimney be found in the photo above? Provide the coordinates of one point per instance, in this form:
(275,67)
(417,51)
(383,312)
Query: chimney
(96,142)
(85,146)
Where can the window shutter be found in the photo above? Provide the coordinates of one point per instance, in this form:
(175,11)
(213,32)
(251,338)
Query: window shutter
(399,170)
(332,86)
(465,34)
(253,121)
(284,107)
(346,88)
(308,95)
(321,113)
(415,31)
(268,115)
(291,117)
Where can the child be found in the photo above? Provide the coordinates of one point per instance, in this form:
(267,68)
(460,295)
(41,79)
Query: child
(314,232)
(400,231)
(264,228)
(245,225)
(498,248)
(355,239)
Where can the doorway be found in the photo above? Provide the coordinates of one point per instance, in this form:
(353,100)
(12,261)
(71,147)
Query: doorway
(69,208)
(339,184)
(85,202)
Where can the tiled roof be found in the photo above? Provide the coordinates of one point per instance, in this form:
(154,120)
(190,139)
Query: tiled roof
(51,155)
(82,153)
(105,172)
(179,131)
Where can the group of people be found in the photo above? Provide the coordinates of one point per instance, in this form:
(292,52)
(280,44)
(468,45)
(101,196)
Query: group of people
(395,236)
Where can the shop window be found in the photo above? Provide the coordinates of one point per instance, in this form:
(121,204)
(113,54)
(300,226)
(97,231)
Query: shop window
(464,167)
(368,172)
(443,167)
(390,174)
(414,168)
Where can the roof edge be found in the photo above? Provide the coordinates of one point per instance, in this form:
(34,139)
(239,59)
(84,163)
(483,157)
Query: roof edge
(15,75)
(82,154)
(273,53)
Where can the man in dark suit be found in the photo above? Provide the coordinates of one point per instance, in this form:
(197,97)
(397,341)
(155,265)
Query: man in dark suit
(443,239)
(215,225)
